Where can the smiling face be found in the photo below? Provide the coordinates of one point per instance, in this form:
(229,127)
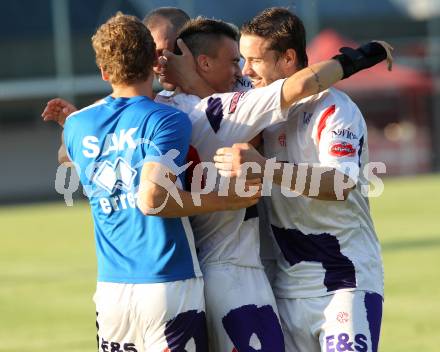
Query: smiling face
(222,69)
(263,65)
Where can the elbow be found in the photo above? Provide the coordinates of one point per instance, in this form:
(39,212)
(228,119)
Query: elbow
(152,200)
(62,156)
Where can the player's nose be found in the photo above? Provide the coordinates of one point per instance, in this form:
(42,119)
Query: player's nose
(246,70)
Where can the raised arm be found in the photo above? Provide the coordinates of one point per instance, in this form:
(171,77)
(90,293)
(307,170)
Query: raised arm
(181,70)
(322,75)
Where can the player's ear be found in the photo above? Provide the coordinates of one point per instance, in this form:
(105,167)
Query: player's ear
(203,62)
(104,75)
(290,58)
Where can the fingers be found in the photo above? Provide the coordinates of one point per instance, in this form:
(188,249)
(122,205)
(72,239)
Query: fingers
(57,110)
(167,55)
(51,111)
(388,48)
(183,48)
(223,158)
(255,188)
(224,150)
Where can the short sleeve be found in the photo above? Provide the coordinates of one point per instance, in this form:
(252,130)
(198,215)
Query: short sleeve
(339,135)
(240,116)
(169,141)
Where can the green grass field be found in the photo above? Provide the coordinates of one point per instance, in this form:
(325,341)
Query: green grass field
(47,275)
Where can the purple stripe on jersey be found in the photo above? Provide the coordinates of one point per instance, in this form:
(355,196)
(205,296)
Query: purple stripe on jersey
(322,248)
(373,305)
(214,112)
(187,325)
(253,328)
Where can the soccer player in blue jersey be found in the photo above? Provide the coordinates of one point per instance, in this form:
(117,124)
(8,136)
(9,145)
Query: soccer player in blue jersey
(127,149)
(212,141)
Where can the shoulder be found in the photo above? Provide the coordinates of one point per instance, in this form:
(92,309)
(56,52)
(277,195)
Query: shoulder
(332,104)
(165,116)
(83,115)
(181,101)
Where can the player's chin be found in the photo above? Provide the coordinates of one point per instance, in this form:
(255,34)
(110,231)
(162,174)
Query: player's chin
(258,83)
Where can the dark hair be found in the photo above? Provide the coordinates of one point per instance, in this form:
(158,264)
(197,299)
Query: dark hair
(176,16)
(125,49)
(284,30)
(202,35)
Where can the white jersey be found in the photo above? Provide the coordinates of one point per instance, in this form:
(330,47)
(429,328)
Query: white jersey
(221,120)
(325,245)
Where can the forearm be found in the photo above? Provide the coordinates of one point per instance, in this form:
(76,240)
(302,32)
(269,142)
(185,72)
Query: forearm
(62,152)
(314,181)
(161,202)
(208,203)
(310,80)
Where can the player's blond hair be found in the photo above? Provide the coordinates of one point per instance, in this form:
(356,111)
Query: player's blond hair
(124,49)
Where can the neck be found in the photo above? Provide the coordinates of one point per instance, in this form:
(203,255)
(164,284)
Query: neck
(144,88)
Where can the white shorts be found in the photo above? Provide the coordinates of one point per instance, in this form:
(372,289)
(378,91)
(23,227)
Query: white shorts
(343,321)
(240,310)
(151,317)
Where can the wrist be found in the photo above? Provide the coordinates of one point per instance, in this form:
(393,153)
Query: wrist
(355,60)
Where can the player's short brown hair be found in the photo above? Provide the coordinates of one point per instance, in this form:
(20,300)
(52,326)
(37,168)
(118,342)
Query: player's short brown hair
(124,49)
(284,29)
(202,35)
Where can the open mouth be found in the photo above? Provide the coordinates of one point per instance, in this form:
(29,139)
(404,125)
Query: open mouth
(256,82)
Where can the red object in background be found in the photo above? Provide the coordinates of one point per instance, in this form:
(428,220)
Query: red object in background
(327,44)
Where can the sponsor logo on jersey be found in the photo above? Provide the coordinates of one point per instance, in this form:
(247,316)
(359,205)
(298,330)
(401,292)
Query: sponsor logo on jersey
(342,317)
(110,346)
(340,149)
(345,342)
(344,133)
(243,82)
(119,175)
(234,102)
(113,142)
(282,139)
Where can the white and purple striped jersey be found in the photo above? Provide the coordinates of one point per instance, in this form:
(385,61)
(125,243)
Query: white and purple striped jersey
(221,120)
(326,245)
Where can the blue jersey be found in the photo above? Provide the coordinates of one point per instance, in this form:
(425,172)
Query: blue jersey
(109,142)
